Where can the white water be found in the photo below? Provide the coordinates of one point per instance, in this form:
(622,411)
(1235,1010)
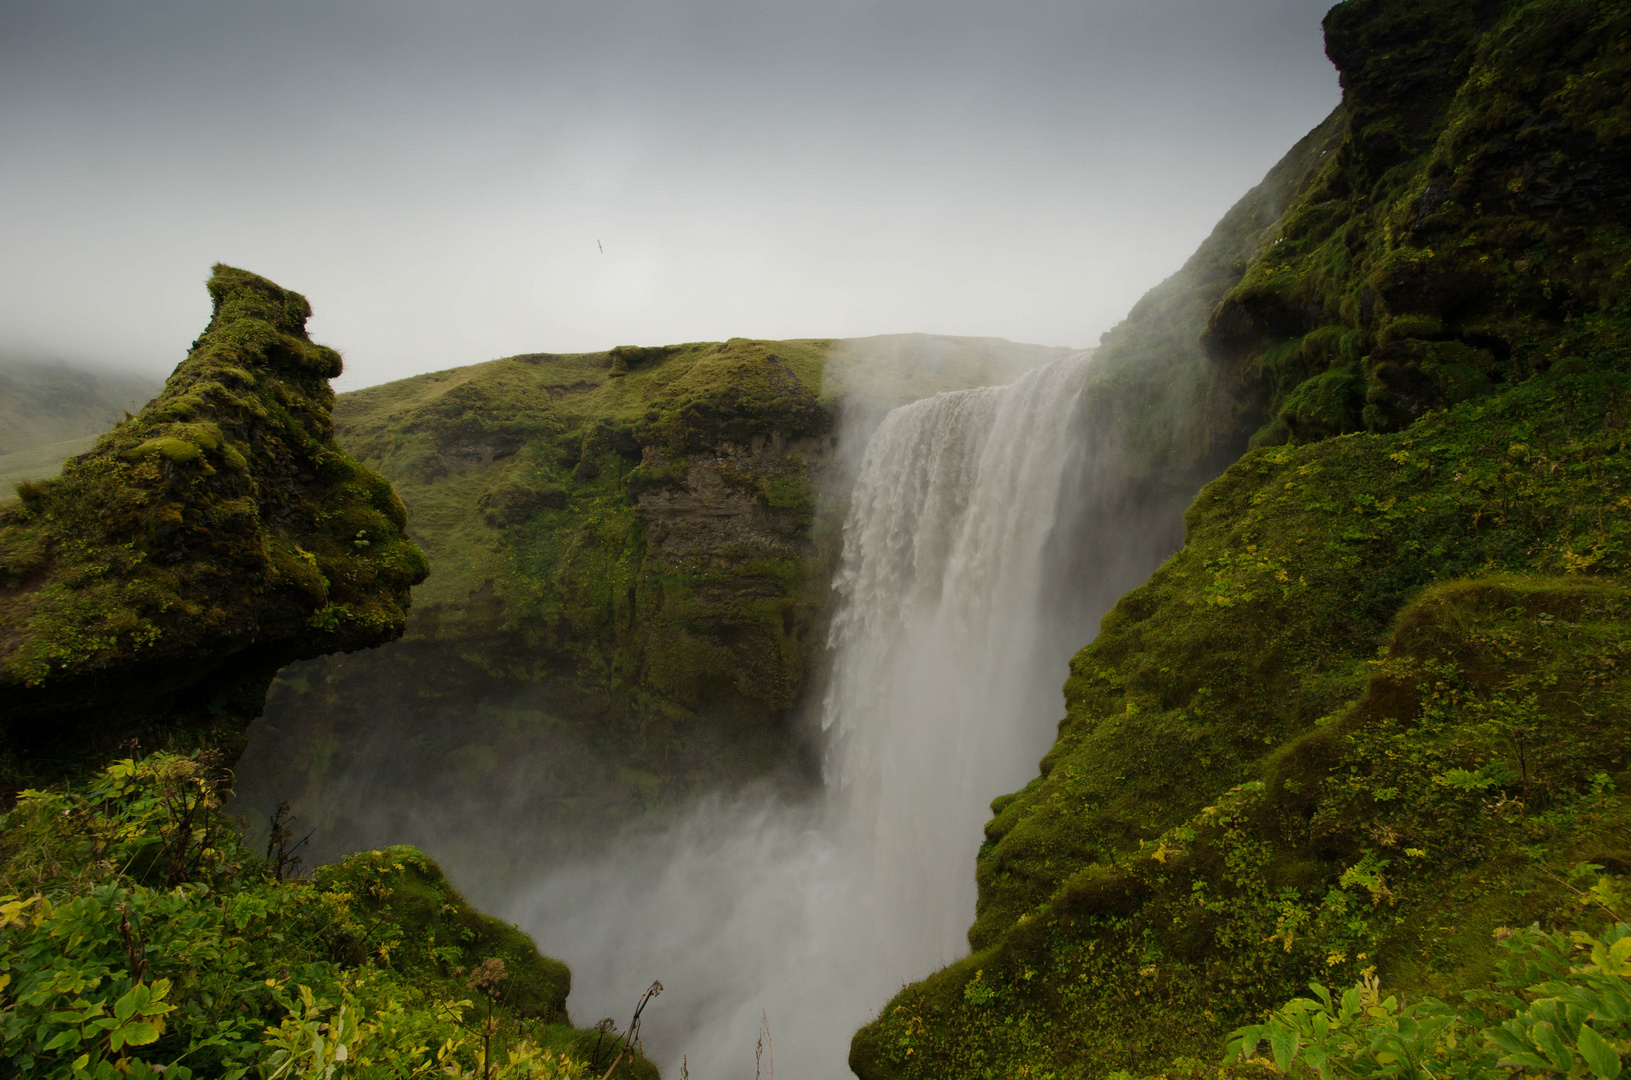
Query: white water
(949,652)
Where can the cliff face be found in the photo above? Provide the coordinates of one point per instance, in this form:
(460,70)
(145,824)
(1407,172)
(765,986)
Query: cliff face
(154,589)
(1472,214)
(1378,704)
(632,552)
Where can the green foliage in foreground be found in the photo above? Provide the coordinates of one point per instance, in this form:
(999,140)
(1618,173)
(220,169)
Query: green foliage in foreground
(138,933)
(1561,1007)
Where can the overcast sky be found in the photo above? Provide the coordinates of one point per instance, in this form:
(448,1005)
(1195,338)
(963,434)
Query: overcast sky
(440,178)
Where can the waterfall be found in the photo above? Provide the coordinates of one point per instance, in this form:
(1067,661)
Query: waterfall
(947,671)
(949,646)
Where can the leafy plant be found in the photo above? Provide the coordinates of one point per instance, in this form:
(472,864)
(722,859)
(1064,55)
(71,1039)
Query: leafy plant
(1563,1008)
(139,936)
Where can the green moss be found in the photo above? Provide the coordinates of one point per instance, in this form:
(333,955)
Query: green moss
(152,590)
(1328,404)
(1377,705)
(1468,213)
(1122,923)
(416,920)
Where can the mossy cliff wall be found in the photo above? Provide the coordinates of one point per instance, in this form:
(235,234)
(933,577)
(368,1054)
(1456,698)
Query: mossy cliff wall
(1474,207)
(632,553)
(1379,703)
(154,589)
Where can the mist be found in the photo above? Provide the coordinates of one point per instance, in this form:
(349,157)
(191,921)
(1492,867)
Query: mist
(986,532)
(451,183)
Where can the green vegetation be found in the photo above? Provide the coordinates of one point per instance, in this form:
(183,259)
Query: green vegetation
(1562,1007)
(139,935)
(52,411)
(1377,706)
(154,588)
(632,552)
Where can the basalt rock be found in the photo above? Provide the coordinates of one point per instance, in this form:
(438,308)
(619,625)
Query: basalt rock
(153,590)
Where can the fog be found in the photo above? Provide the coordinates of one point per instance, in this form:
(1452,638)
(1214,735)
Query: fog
(453,182)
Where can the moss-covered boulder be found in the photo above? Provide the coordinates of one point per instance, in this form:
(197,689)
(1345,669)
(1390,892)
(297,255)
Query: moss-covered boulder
(154,588)
(402,909)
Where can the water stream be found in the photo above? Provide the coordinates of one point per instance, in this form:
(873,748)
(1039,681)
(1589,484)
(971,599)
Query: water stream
(960,605)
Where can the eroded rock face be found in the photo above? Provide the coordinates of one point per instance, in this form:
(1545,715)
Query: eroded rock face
(1472,212)
(154,588)
(727,500)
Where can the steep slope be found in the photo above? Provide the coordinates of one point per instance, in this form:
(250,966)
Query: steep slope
(632,551)
(1377,706)
(154,589)
(52,411)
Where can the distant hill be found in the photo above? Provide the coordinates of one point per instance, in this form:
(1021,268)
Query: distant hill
(51,410)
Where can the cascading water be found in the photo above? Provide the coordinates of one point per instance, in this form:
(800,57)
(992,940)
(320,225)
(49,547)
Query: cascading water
(949,648)
(946,680)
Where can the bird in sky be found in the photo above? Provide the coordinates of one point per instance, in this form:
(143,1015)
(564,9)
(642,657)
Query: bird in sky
(601,246)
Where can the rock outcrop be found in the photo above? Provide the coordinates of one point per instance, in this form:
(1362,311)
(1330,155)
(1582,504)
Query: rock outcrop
(1471,214)
(153,590)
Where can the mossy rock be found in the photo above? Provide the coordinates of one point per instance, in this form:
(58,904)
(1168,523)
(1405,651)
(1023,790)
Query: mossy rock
(1329,404)
(422,927)
(154,588)
(1475,204)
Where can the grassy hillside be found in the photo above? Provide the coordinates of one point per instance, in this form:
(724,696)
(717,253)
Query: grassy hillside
(1377,706)
(51,411)
(630,557)
(42,403)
